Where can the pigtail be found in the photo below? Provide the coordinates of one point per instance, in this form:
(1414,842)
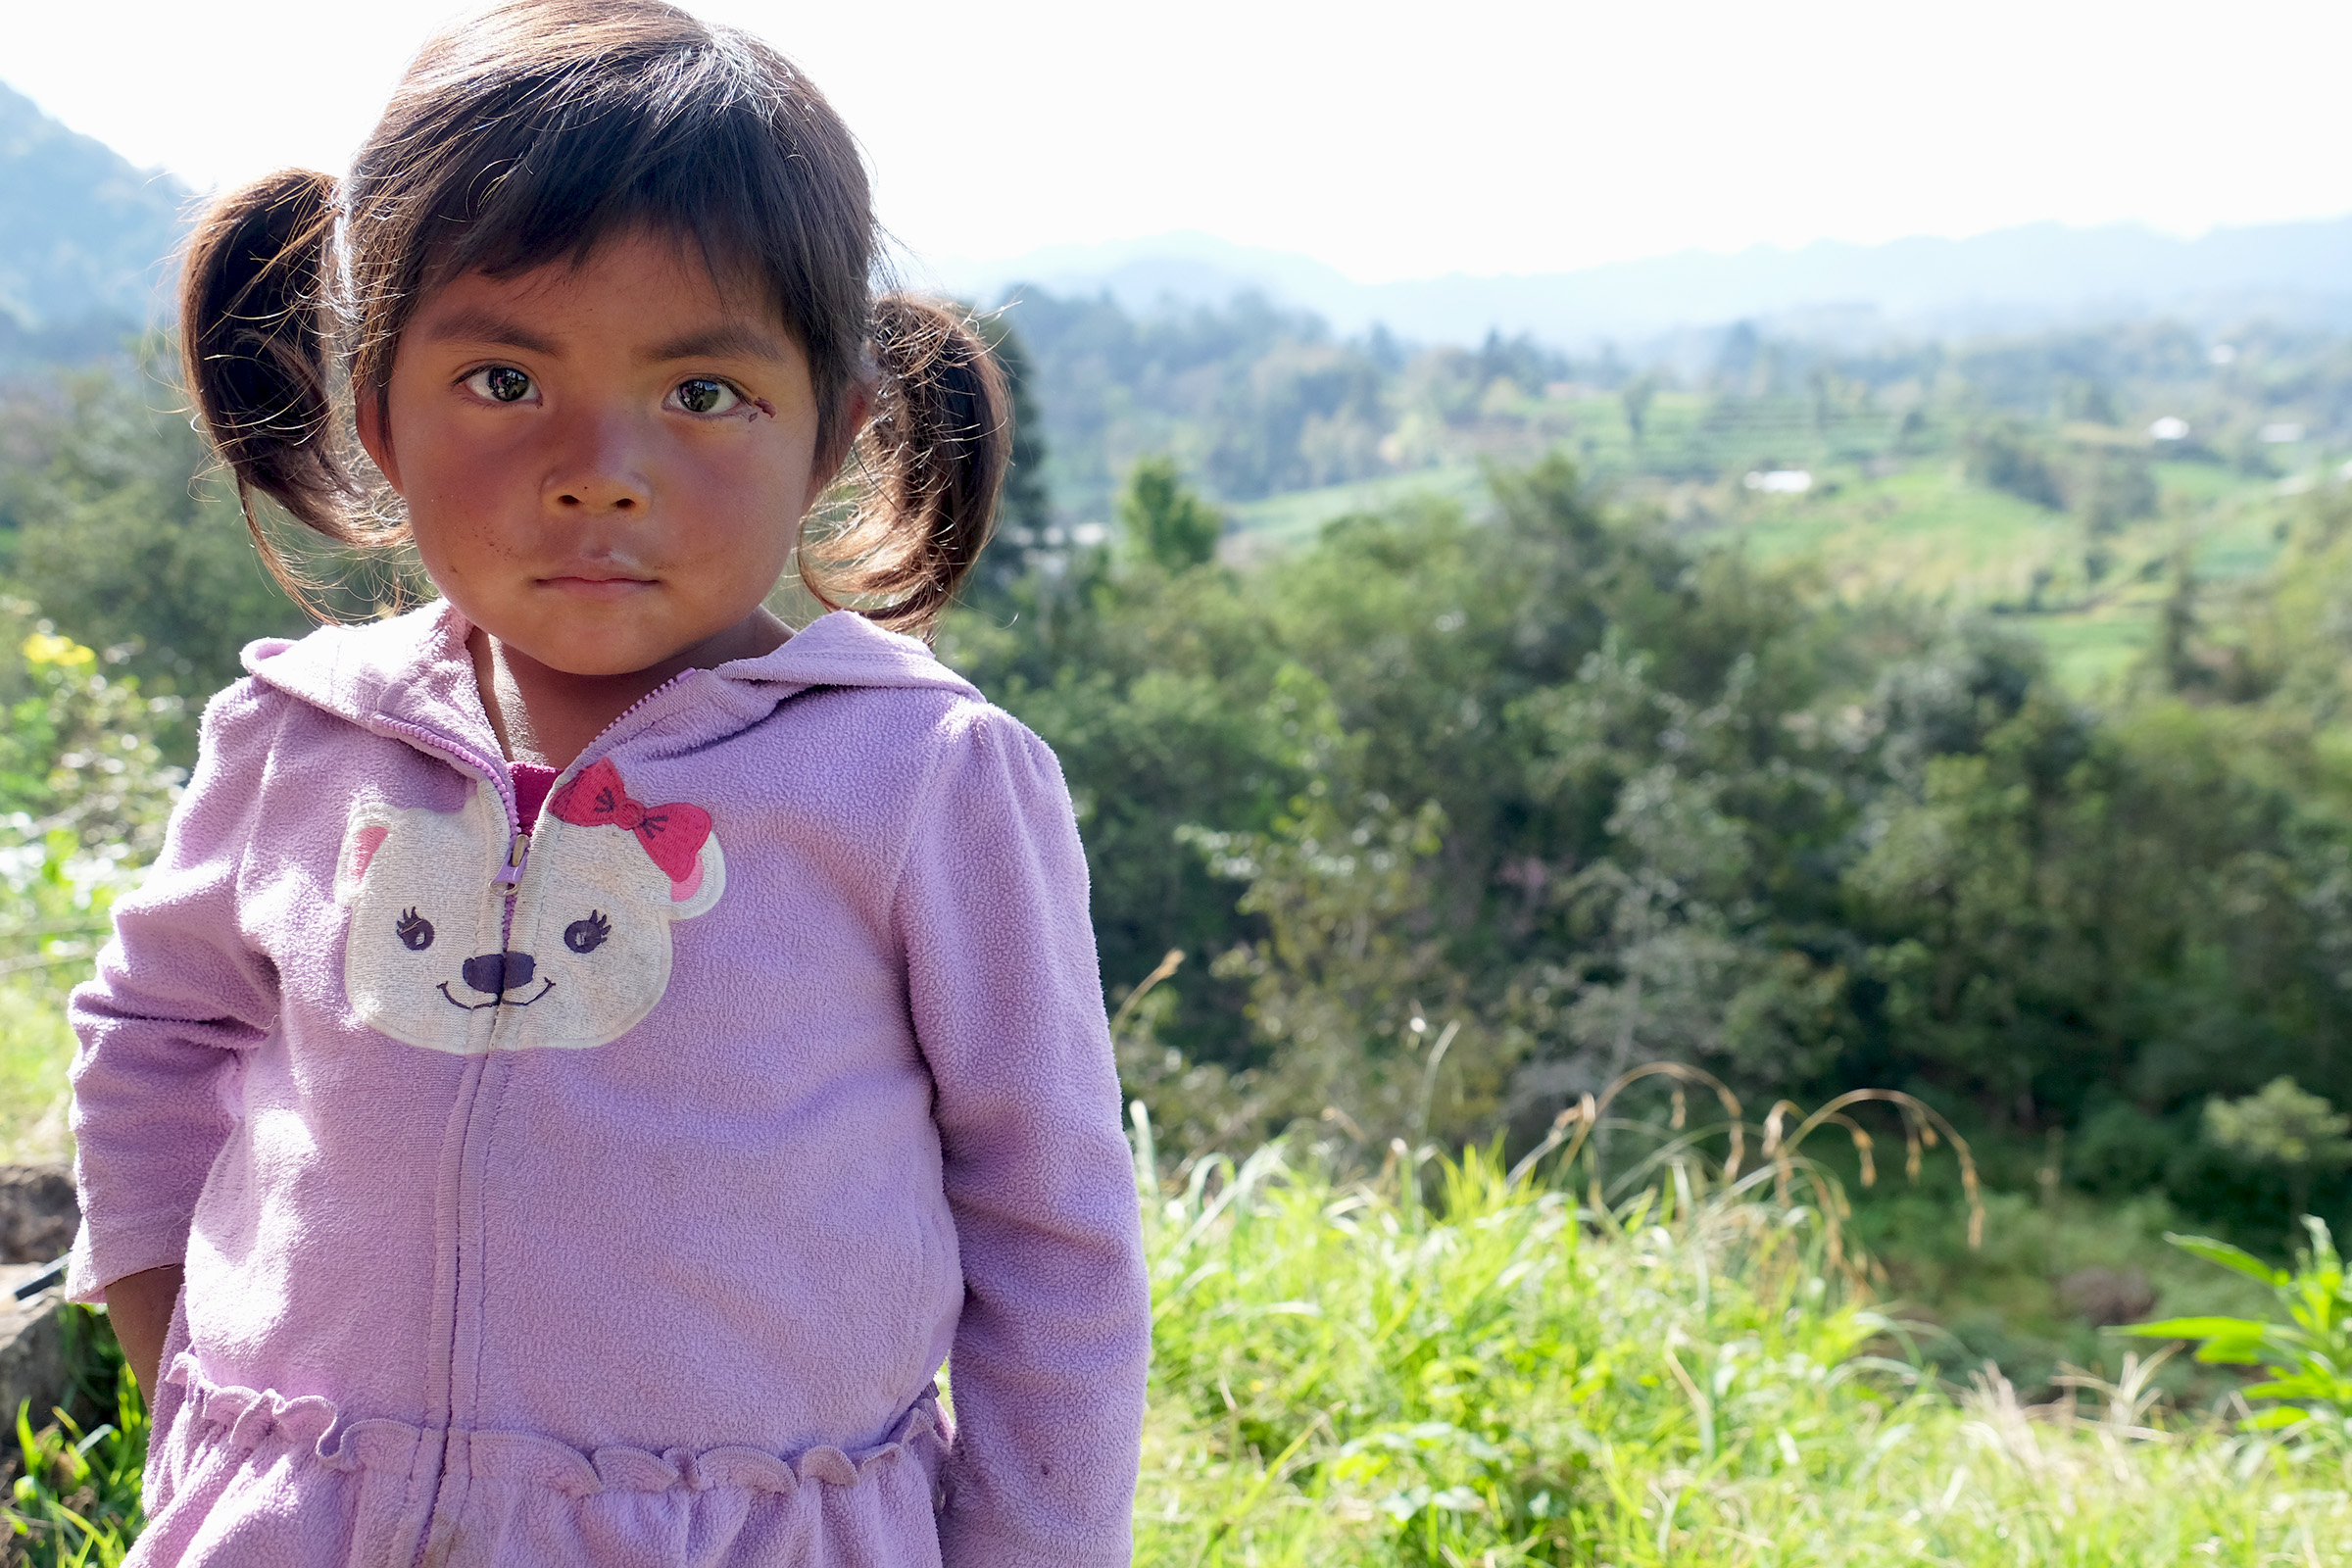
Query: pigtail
(256,350)
(934,456)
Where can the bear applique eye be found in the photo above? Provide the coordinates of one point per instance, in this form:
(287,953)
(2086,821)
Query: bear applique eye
(415,931)
(586,936)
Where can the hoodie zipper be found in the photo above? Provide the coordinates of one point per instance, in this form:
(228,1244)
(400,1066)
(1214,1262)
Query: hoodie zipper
(509,881)
(518,853)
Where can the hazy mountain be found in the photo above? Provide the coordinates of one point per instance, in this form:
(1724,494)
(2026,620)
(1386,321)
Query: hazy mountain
(2037,275)
(86,237)
(83,238)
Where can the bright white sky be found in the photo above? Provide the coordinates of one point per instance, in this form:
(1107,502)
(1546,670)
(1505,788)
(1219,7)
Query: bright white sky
(1389,141)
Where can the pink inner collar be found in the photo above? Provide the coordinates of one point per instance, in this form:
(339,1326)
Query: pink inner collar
(531,785)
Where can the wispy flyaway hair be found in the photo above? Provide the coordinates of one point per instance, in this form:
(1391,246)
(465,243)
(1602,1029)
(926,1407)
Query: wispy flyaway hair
(529,134)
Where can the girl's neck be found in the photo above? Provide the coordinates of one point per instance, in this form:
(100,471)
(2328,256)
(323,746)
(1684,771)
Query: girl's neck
(547,716)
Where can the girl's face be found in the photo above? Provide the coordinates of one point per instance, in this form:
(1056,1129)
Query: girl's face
(605,466)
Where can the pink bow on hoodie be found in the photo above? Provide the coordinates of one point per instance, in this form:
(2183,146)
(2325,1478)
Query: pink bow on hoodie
(674,834)
(613,1193)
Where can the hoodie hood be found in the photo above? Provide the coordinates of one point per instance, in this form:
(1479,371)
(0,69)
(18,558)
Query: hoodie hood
(413,672)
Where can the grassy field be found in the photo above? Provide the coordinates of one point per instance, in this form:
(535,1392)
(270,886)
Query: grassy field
(1915,527)
(1287,521)
(1508,1376)
(35,1048)
(1442,1366)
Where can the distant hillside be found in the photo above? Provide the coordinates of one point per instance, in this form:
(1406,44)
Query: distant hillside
(86,237)
(83,238)
(2036,277)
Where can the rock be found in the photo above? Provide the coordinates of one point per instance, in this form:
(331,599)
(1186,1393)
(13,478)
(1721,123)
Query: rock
(2106,1297)
(33,1347)
(38,1212)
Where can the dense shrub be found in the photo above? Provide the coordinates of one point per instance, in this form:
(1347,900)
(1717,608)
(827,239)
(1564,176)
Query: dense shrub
(1596,796)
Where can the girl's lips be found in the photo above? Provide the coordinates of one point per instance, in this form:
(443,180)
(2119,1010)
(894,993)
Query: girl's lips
(597,587)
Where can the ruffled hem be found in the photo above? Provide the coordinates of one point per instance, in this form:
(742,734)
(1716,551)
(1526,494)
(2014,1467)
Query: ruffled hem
(247,1417)
(249,1478)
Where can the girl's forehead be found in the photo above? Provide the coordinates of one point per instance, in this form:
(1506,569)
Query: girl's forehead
(634,280)
(639,254)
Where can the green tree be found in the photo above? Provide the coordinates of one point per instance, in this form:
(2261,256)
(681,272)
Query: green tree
(105,522)
(1635,397)
(2001,455)
(1351,965)
(1025,504)
(1164,520)
(1678,804)
(2287,1126)
(2111,488)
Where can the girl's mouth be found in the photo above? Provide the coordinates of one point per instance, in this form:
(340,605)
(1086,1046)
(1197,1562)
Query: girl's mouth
(597,587)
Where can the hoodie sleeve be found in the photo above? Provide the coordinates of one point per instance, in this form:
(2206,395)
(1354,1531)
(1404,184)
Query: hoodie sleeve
(177,995)
(1051,1353)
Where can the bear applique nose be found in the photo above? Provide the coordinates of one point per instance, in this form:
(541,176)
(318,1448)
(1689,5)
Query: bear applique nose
(495,973)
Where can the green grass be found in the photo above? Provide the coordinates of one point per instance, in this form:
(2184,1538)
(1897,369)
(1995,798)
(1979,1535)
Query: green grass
(35,1048)
(1446,1365)
(2092,650)
(1292,519)
(1925,531)
(2007,1299)
(2205,482)
(1918,528)
(1509,1377)
(74,1501)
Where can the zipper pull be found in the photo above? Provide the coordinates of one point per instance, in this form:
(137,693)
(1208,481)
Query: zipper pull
(510,875)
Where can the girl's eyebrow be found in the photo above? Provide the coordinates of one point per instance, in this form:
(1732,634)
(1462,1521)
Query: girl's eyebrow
(478,325)
(726,341)
(730,341)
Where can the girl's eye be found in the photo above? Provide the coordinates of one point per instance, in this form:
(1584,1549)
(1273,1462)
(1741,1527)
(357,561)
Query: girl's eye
(700,394)
(500,383)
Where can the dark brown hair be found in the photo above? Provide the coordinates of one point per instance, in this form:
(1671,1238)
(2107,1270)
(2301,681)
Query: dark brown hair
(528,136)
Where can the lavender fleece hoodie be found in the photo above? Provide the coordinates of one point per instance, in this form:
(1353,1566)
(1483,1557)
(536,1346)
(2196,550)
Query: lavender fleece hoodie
(612,1196)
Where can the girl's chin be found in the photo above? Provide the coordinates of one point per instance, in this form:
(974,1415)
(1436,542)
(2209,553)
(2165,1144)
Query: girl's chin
(602,641)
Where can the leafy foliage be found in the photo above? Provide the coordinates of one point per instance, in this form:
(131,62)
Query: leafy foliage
(84,794)
(2307,1357)
(1166,521)
(76,1498)
(2002,457)
(102,510)
(1593,794)
(2283,1126)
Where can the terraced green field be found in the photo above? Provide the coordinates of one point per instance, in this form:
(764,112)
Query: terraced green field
(1916,527)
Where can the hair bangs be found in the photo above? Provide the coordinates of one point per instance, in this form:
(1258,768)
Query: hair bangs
(684,148)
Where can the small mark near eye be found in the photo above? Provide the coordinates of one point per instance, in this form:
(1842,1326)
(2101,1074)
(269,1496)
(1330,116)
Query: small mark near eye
(586,936)
(415,931)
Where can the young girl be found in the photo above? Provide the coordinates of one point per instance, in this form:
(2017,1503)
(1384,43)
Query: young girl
(588,1054)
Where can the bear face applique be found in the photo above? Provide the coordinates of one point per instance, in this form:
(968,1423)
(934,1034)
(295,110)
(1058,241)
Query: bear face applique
(438,956)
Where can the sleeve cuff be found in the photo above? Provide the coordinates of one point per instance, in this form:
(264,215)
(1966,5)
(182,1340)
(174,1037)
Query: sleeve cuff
(90,1269)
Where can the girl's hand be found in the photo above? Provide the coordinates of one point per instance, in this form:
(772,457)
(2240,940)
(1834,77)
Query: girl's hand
(140,1307)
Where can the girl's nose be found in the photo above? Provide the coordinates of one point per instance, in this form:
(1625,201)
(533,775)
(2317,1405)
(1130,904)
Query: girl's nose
(599,467)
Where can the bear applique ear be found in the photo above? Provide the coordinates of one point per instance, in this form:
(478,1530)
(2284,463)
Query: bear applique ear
(700,888)
(370,826)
